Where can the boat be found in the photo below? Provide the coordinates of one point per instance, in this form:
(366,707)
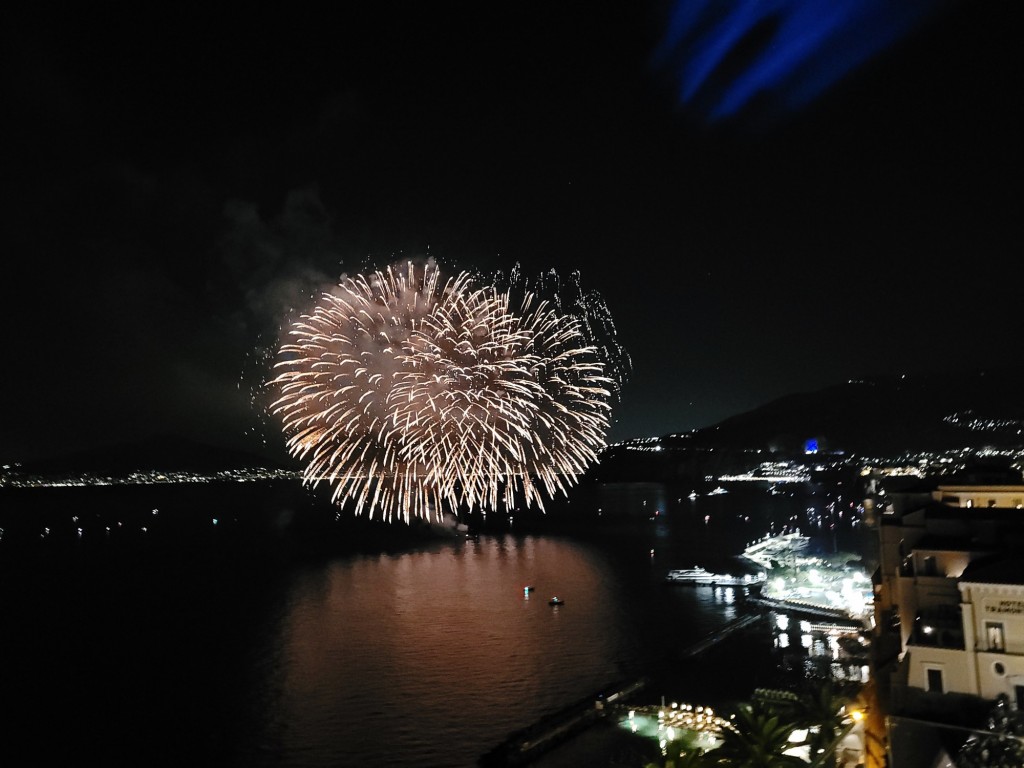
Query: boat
(698,575)
(770,551)
(556,601)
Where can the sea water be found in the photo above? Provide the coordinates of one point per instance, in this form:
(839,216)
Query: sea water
(208,649)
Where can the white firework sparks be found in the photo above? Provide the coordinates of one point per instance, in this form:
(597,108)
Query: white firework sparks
(588,307)
(413,395)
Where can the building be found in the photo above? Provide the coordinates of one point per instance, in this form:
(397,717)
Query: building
(948,640)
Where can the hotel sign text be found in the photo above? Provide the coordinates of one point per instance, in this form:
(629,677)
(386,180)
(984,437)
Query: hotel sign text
(1005,606)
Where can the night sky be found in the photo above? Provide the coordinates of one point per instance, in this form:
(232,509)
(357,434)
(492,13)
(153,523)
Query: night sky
(768,201)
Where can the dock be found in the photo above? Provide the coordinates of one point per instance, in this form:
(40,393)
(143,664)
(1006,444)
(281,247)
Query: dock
(525,745)
(803,609)
(720,634)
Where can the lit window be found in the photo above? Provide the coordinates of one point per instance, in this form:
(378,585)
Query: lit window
(996,635)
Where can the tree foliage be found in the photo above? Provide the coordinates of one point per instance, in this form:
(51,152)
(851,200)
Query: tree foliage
(758,738)
(1001,747)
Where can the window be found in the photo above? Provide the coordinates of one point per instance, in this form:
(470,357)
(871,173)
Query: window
(934,684)
(996,636)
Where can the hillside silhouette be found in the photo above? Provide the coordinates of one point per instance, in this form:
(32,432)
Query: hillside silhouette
(878,418)
(885,416)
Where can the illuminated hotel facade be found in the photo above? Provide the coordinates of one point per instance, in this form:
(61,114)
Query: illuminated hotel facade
(949,593)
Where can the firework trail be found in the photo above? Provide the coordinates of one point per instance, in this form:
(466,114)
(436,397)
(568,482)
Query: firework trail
(589,309)
(412,394)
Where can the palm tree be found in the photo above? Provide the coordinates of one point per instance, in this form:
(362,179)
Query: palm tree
(676,757)
(756,738)
(695,758)
(822,708)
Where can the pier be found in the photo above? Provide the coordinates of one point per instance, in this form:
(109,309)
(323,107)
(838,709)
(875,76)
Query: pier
(720,634)
(523,746)
(804,609)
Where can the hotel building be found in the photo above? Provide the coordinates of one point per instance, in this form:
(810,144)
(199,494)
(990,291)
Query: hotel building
(949,603)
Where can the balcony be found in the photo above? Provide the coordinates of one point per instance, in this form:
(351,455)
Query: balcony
(937,632)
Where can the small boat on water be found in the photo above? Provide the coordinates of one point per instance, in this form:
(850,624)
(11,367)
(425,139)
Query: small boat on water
(556,601)
(698,575)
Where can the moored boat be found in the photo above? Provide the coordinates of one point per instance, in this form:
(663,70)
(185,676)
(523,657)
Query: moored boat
(698,575)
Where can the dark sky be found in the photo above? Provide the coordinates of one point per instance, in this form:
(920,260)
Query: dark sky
(179,181)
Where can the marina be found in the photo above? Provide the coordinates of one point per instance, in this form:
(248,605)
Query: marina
(832,588)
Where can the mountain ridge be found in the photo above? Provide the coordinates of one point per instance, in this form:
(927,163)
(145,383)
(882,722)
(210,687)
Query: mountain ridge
(886,415)
(881,416)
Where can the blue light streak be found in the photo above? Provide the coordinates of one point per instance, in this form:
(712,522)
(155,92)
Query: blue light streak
(726,58)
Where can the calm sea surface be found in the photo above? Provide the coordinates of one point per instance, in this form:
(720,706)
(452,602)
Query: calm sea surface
(203,643)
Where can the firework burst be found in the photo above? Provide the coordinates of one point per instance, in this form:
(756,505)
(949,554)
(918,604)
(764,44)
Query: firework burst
(588,307)
(412,394)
